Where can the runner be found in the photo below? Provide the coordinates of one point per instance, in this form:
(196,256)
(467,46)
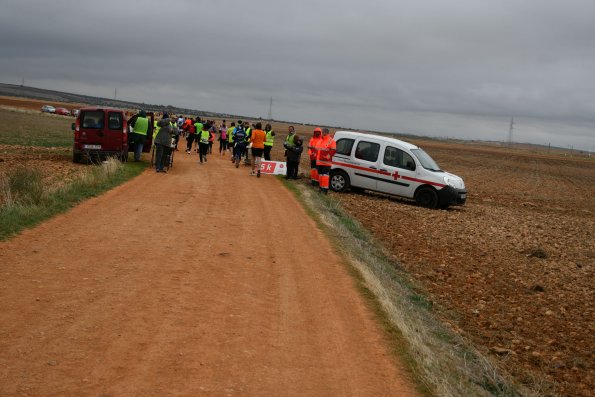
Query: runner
(257,140)
(222,138)
(239,139)
(230,132)
(203,142)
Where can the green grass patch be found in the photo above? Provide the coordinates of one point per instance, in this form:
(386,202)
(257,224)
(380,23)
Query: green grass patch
(26,202)
(35,129)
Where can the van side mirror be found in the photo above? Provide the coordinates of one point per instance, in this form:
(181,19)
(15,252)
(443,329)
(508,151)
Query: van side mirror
(72,126)
(410,166)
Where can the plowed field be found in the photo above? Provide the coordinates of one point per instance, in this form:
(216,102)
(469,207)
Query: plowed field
(513,268)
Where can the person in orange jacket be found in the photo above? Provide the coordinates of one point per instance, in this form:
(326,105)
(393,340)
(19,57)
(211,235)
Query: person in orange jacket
(257,138)
(312,151)
(324,153)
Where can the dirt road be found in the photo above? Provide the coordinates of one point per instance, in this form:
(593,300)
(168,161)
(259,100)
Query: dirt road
(169,285)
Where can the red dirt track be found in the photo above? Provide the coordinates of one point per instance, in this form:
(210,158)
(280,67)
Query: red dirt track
(156,288)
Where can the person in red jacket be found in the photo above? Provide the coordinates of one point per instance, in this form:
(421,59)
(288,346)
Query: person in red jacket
(190,134)
(324,153)
(312,147)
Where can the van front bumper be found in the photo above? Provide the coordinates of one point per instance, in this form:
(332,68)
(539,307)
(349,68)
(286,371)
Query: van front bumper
(451,196)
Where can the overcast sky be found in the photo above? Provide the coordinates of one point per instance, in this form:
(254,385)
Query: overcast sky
(430,67)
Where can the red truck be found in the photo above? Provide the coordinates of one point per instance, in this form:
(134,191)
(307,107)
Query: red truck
(103,132)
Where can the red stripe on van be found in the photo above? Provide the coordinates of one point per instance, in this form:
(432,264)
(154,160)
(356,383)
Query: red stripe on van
(357,167)
(423,181)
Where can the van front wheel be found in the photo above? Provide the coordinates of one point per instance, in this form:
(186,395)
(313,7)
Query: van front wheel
(427,197)
(339,181)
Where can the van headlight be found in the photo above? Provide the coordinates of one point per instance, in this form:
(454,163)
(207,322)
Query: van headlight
(455,182)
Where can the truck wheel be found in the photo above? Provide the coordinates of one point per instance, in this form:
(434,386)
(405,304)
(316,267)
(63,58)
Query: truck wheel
(339,181)
(76,157)
(427,197)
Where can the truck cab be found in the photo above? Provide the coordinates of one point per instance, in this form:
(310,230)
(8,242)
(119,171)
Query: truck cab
(392,166)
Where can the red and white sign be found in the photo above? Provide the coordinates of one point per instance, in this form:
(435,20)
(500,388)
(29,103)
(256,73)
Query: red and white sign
(273,167)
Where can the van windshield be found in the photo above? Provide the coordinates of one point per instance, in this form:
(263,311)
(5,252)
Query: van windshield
(426,161)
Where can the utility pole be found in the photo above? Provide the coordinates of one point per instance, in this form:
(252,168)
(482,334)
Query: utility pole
(115,93)
(271,109)
(23,82)
(510,131)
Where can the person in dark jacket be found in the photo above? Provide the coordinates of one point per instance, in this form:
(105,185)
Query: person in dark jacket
(294,152)
(162,142)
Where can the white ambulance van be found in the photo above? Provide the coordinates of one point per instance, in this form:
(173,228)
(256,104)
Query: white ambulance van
(388,165)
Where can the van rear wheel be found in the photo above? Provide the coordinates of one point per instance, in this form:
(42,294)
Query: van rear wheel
(427,197)
(76,157)
(339,181)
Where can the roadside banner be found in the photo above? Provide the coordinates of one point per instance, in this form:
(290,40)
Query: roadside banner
(273,167)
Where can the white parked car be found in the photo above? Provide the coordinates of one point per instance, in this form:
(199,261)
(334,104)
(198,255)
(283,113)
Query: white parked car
(48,109)
(392,166)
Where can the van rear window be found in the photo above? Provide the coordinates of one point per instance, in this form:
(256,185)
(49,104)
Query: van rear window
(367,151)
(114,121)
(92,119)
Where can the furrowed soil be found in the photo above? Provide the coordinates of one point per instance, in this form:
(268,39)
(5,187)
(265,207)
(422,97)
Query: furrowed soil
(511,270)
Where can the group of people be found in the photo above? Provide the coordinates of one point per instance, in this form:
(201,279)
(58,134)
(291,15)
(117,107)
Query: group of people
(239,140)
(321,149)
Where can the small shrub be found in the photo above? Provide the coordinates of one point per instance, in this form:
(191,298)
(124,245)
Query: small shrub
(23,186)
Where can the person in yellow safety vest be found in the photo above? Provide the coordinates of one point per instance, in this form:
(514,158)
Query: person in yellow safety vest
(230,132)
(269,142)
(324,153)
(156,129)
(312,152)
(198,126)
(203,142)
(289,138)
(140,128)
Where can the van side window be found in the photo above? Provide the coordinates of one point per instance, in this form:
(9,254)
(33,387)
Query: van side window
(114,121)
(394,157)
(344,146)
(92,119)
(367,151)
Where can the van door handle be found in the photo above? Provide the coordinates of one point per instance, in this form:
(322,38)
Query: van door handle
(373,167)
(383,170)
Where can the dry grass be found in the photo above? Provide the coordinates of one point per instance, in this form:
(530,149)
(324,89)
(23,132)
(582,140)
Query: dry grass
(26,200)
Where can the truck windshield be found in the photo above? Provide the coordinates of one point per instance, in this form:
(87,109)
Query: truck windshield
(426,161)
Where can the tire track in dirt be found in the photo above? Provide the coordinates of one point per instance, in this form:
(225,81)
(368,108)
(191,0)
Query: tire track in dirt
(193,282)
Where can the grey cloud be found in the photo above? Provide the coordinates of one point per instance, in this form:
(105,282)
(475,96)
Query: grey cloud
(429,67)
